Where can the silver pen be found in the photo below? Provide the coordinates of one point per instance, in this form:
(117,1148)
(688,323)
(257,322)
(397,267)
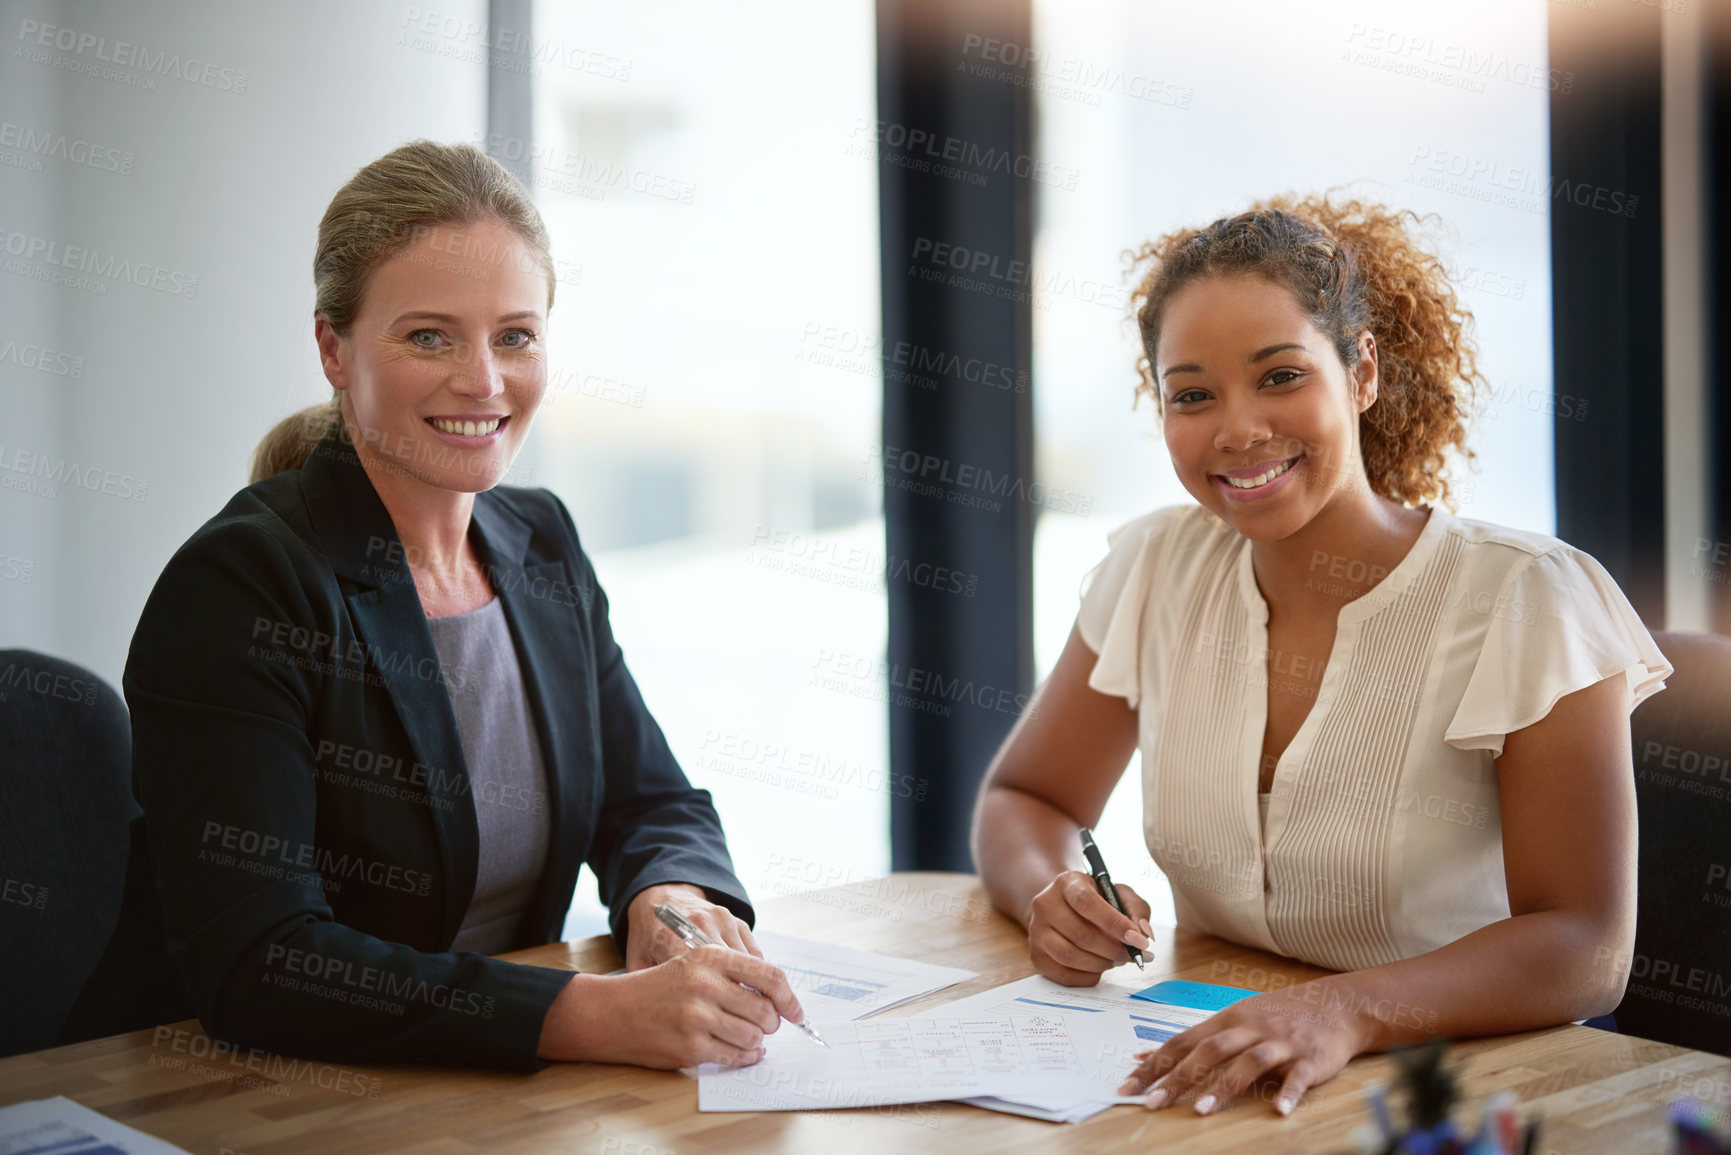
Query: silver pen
(693,937)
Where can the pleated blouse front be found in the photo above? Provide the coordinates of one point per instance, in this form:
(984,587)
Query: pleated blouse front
(1383,834)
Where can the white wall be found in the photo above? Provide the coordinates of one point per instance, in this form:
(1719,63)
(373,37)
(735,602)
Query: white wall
(227,181)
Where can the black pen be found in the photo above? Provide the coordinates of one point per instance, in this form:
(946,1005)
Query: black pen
(1103,883)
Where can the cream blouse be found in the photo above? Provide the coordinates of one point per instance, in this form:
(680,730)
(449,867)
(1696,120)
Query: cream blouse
(1383,834)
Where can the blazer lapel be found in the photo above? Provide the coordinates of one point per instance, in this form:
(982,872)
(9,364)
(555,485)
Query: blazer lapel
(541,606)
(362,545)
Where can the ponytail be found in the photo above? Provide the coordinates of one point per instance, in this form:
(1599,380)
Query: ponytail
(291,440)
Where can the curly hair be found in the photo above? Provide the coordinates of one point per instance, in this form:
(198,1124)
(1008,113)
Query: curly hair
(1352,266)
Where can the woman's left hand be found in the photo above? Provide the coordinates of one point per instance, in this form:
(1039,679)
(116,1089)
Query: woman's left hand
(649,943)
(1281,1034)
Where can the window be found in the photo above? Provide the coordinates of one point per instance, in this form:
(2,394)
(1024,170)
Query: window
(715,394)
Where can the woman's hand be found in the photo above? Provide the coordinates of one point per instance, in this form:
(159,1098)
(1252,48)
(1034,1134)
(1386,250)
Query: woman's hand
(1074,935)
(1287,1035)
(691,1009)
(649,943)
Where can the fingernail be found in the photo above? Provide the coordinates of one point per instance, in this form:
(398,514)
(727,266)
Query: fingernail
(1148,930)
(1205,1104)
(1156,1099)
(1137,939)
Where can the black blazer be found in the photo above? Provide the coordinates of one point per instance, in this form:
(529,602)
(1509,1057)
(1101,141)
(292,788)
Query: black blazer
(308,846)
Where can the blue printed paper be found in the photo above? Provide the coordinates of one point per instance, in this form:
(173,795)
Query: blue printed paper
(1198,996)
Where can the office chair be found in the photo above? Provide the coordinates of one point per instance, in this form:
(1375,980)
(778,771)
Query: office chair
(65,807)
(1679,988)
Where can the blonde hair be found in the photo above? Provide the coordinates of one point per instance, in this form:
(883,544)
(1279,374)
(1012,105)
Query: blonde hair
(383,209)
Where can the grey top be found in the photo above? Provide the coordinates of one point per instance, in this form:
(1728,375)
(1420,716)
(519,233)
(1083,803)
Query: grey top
(507,779)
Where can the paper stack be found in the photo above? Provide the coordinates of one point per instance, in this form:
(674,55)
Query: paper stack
(1031,1048)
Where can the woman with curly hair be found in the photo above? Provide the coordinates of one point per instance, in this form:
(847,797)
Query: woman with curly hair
(1376,737)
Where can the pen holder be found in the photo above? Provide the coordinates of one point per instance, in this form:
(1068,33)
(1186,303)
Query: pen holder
(1697,1129)
(1427,1093)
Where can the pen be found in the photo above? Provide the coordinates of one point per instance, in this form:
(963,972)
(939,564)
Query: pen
(692,937)
(1103,881)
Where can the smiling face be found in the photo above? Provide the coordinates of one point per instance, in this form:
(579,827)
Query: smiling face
(1259,413)
(444,366)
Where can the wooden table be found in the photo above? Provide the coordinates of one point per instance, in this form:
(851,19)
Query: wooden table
(1598,1092)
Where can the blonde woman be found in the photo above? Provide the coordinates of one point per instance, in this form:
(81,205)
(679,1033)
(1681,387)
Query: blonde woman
(1375,737)
(380,720)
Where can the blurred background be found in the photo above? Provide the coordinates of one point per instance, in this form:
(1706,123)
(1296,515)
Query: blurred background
(731,186)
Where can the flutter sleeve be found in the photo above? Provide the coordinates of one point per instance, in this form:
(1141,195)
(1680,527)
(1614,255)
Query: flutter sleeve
(1115,599)
(1560,624)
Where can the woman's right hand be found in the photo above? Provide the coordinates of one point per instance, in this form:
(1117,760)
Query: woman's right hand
(688,1010)
(1074,935)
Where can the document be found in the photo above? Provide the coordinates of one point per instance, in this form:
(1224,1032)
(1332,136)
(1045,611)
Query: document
(64,1127)
(1031,1047)
(1117,1018)
(837,983)
(1025,1052)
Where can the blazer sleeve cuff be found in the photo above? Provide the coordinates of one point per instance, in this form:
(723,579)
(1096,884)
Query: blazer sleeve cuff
(524,994)
(720,887)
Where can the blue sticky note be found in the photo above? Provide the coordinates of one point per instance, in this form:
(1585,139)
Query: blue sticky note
(1198,996)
